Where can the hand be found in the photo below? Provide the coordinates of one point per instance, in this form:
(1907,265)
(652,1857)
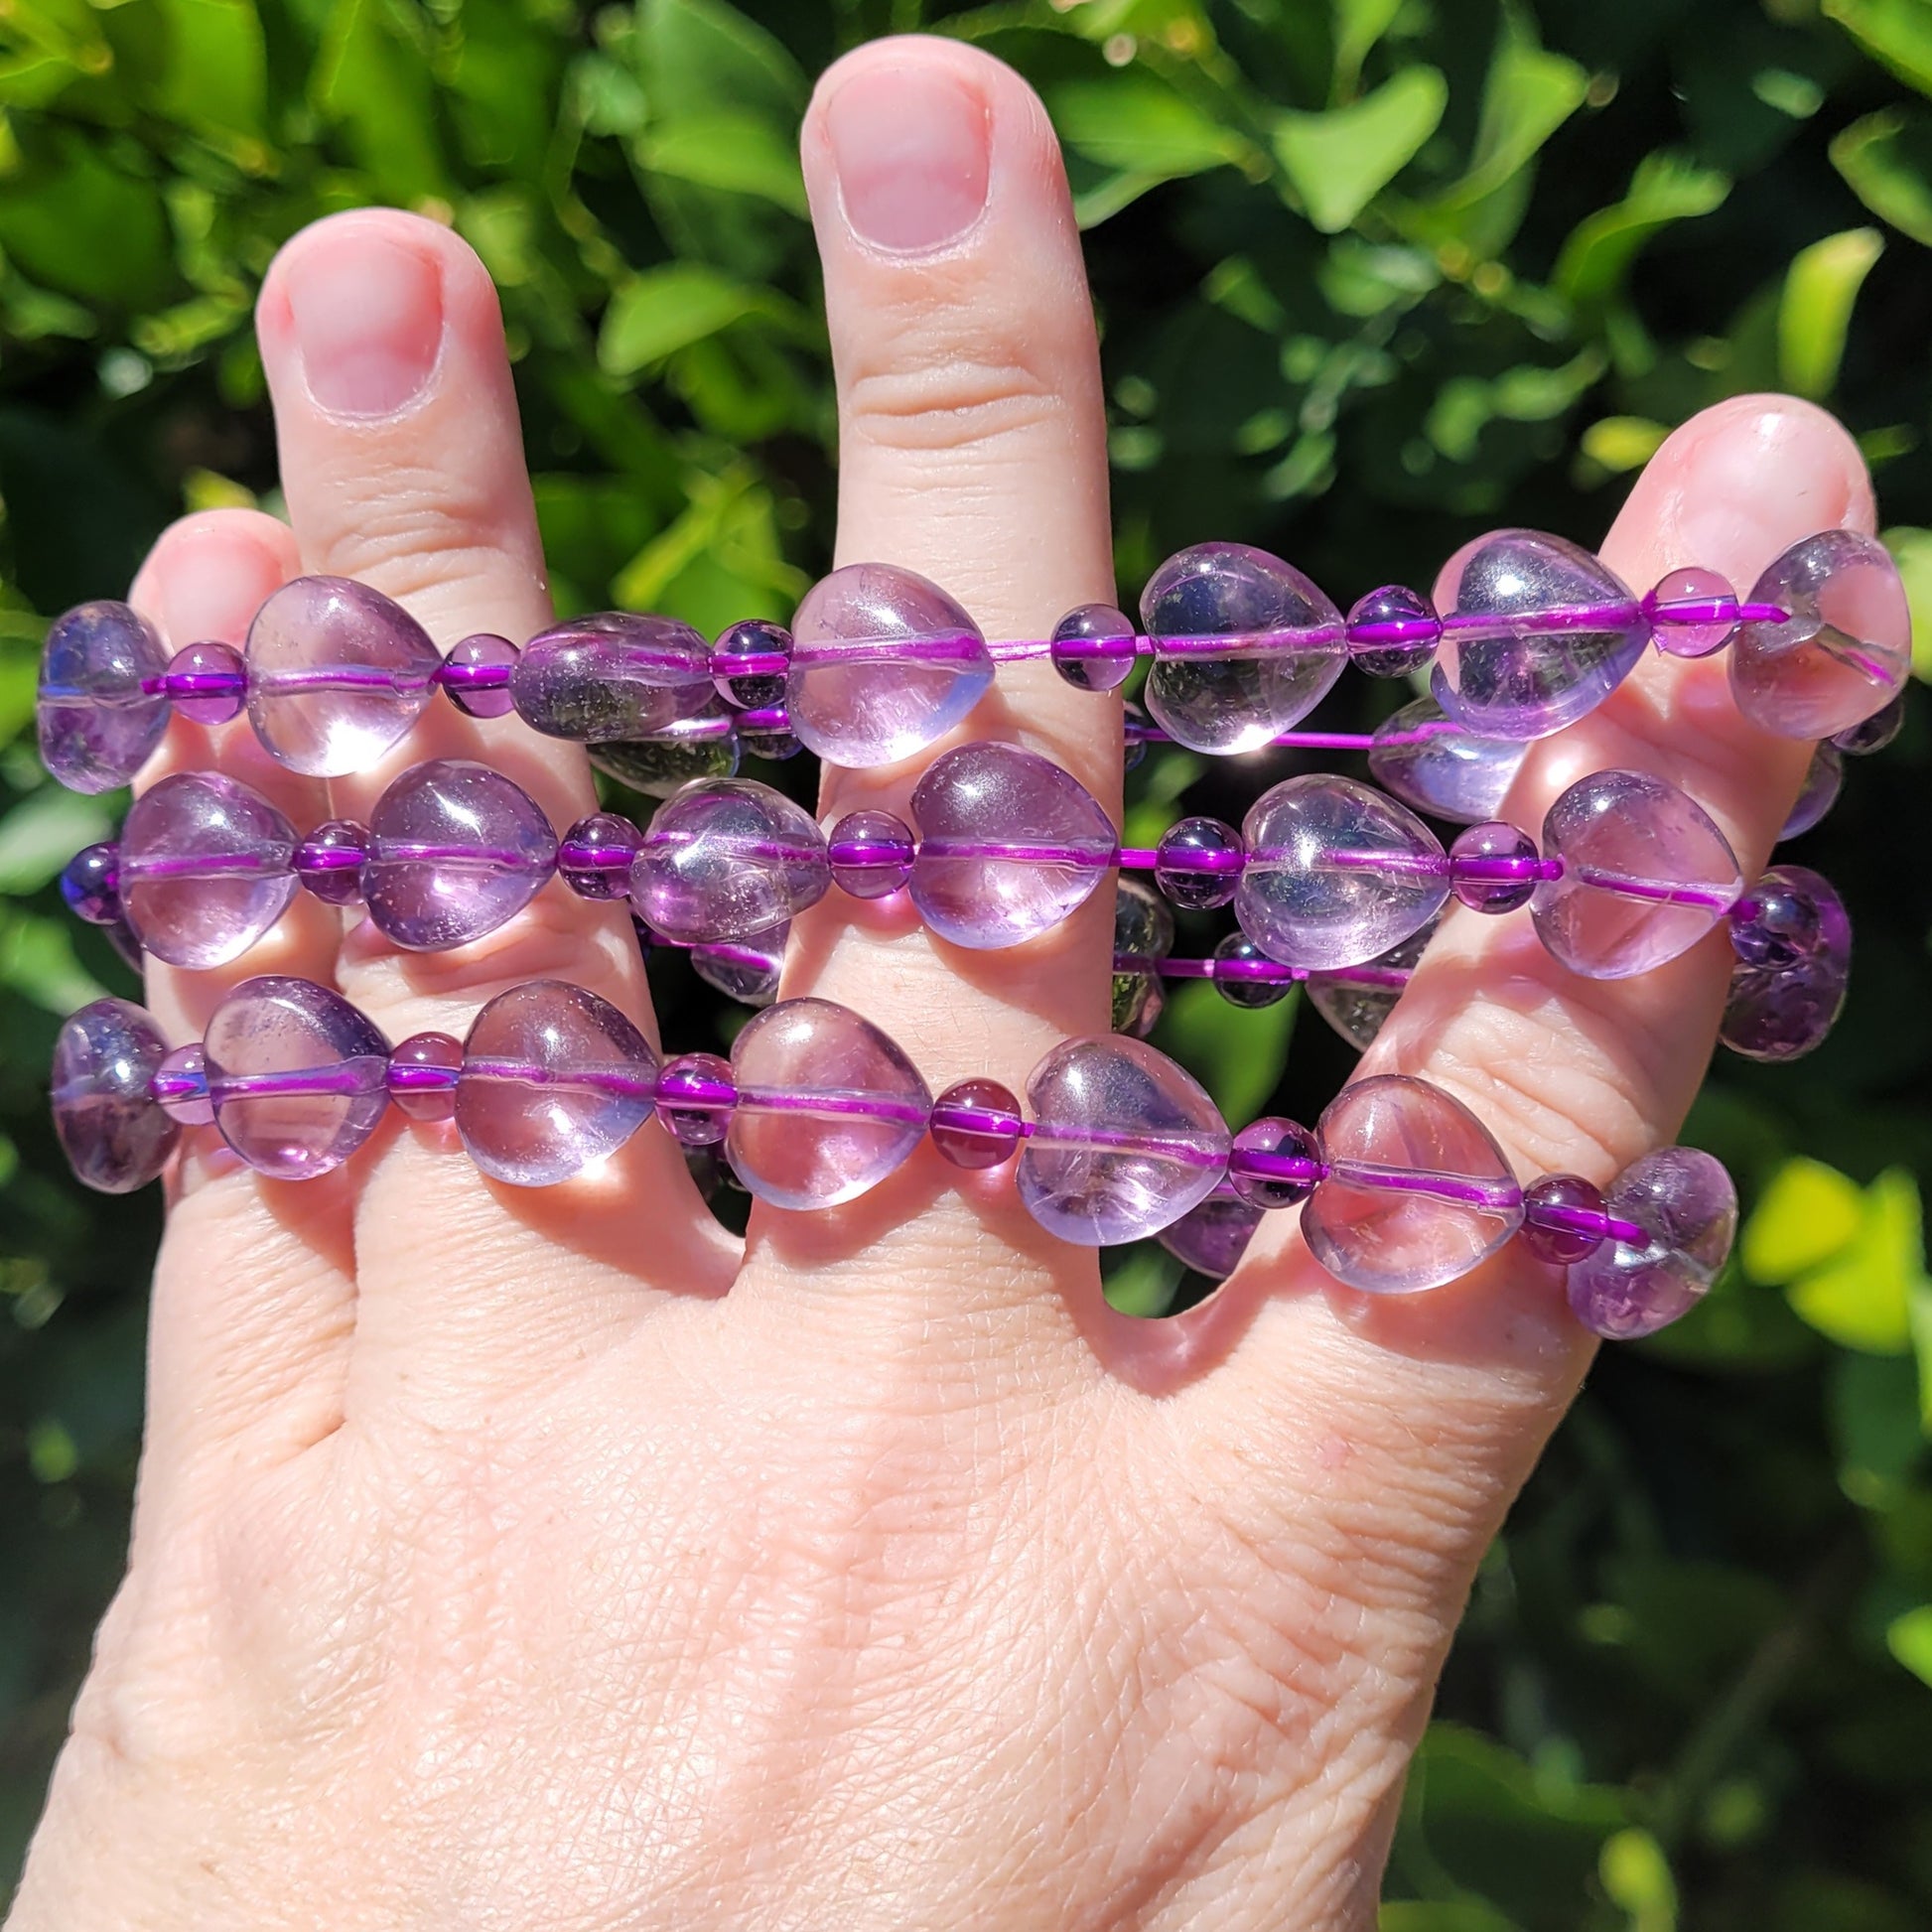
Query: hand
(494,1567)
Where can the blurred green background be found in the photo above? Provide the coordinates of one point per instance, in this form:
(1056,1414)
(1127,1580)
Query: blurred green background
(1373,275)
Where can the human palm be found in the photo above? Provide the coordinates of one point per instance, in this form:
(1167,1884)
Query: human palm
(543,1559)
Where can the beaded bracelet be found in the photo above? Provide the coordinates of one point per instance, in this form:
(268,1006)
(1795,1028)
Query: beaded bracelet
(1400,1186)
(881,662)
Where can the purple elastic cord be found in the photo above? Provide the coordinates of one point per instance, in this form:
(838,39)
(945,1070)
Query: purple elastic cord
(835,1105)
(181,686)
(471,677)
(362,1076)
(613,1080)
(1263,1166)
(1465,1191)
(342,677)
(1590,1222)
(985,1121)
(1651,892)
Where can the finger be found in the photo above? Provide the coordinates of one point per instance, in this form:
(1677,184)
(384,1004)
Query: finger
(402,462)
(973,451)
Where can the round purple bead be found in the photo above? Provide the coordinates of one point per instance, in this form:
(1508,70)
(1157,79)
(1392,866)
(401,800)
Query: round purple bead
(1356,1000)
(1557,1213)
(761,687)
(976,1124)
(1245,976)
(1275,1164)
(1687,1207)
(179,1084)
(90,884)
(1197,864)
(1428,760)
(871,853)
(594,858)
(728,858)
(208,683)
(1393,632)
(1824,777)
(423,1072)
(476,675)
(1692,612)
(1874,733)
(100,707)
(1212,1236)
(695,1098)
(115,1135)
(611,676)
(1493,868)
(1094,647)
(329,860)
(1793,940)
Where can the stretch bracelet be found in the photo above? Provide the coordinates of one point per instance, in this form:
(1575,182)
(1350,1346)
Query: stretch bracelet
(881,662)
(1400,1186)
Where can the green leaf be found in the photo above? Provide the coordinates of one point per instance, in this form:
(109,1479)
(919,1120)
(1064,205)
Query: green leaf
(1137,123)
(1358,25)
(74,221)
(379,87)
(1339,162)
(1809,1213)
(1909,1639)
(1911,551)
(1528,93)
(1862,1297)
(36,961)
(1638,1877)
(1620,443)
(1896,32)
(700,58)
(1596,258)
(1815,309)
(742,153)
(1237,1053)
(1144,1282)
(667,309)
(1886,159)
(43,832)
(215,80)
(1442,1915)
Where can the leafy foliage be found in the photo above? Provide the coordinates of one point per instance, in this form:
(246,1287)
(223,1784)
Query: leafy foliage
(1372,277)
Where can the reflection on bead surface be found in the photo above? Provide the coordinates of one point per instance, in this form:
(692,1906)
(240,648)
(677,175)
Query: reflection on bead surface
(976,1124)
(974,800)
(1356,1000)
(423,1072)
(911,665)
(1239,700)
(1793,940)
(1336,872)
(827,1105)
(337,674)
(553,1079)
(1500,677)
(728,858)
(611,676)
(745,970)
(96,725)
(329,861)
(1143,929)
(1845,650)
(1683,1201)
(1694,611)
(1431,762)
(109,1126)
(1823,777)
(1417,1193)
(206,868)
(1646,875)
(1212,1237)
(695,1097)
(1124,1142)
(752,637)
(179,1084)
(1197,864)
(90,884)
(298,1076)
(1094,647)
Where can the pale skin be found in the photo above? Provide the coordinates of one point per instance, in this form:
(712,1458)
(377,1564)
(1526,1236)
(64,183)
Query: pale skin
(546,1560)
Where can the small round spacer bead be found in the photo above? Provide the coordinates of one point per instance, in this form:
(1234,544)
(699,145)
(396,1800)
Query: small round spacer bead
(1244,975)
(475,675)
(871,853)
(179,1086)
(1691,612)
(208,683)
(695,1097)
(1873,733)
(1393,632)
(1275,1162)
(976,1124)
(1493,868)
(329,860)
(749,664)
(1197,864)
(593,857)
(1094,647)
(1563,1220)
(90,884)
(423,1073)
(1773,925)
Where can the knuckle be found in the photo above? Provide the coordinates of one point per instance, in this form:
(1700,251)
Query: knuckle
(936,389)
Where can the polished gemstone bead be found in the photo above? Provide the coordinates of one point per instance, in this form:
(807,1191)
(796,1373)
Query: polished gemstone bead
(1143,930)
(1008,845)
(114,1133)
(595,856)
(1417,1190)
(770,742)
(706,745)
(1094,647)
(1793,940)
(1645,874)
(1197,864)
(179,1084)
(1558,1215)
(1124,1142)
(208,683)
(1538,633)
(423,1072)
(1138,1002)
(750,663)
(553,1079)
(1873,733)
(976,1124)
(1824,777)
(1843,652)
(611,677)
(1430,761)
(476,675)
(1245,976)
(695,1097)
(885,663)
(1213,1234)
(871,853)
(101,706)
(1356,1000)
(1684,1202)
(337,674)
(1135,727)
(1275,1164)
(1244,647)
(725,859)
(1493,868)
(1393,632)
(207,867)
(827,1105)
(1336,872)
(745,970)
(329,861)
(455,850)
(1692,611)
(298,1076)
(90,884)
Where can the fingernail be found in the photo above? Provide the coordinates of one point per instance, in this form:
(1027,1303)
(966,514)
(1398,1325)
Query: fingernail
(368,321)
(910,146)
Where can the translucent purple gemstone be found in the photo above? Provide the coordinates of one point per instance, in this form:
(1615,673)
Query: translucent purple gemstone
(1874,733)
(772,742)
(97,724)
(695,1098)
(1493,867)
(1824,777)
(885,663)
(1134,725)
(1503,674)
(207,867)
(1244,975)
(179,1084)
(1275,1164)
(1417,1192)
(1094,647)
(593,857)
(1143,930)
(1793,940)
(1336,872)
(1393,632)
(1845,649)
(423,1072)
(1557,1213)
(827,1105)
(1692,611)
(728,858)
(1685,1203)
(871,853)
(476,675)
(112,1130)
(1124,1142)
(1244,647)
(976,1124)
(1646,875)
(297,1077)
(1198,863)
(338,673)
(706,745)
(455,850)
(90,884)
(208,683)
(1356,1000)
(745,970)
(329,860)
(611,676)
(1212,1236)
(1008,845)
(1430,761)
(749,664)
(553,1079)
